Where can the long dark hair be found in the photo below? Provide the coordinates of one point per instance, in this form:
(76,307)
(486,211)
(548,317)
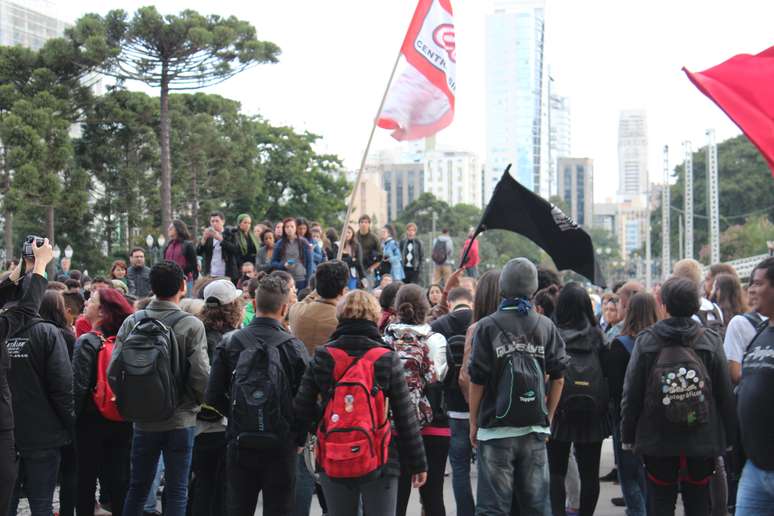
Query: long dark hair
(574,310)
(487,295)
(181,229)
(411,305)
(640,314)
(52,308)
(728,295)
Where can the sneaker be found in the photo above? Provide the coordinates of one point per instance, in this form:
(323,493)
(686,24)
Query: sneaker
(610,477)
(618,502)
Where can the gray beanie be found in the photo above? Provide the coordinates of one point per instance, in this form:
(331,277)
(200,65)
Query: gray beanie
(518,279)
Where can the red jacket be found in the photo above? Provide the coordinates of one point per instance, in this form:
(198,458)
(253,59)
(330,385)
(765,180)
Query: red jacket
(473,258)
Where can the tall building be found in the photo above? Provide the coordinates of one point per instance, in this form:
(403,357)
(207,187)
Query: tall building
(575,187)
(454,177)
(370,198)
(516,95)
(29,23)
(560,137)
(632,154)
(403,182)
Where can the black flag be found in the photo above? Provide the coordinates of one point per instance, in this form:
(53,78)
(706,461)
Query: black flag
(515,208)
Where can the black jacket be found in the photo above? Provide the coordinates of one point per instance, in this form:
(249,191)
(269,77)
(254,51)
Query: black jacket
(356,338)
(292,353)
(230,255)
(138,281)
(644,429)
(41,381)
(11,319)
(416,258)
(454,326)
(85,374)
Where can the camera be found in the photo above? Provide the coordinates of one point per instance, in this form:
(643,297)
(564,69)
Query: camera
(27,247)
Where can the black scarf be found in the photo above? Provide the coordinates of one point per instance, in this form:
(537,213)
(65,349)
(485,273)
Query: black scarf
(358,328)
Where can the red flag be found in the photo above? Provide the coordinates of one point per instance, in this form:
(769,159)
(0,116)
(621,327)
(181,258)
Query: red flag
(420,101)
(743,87)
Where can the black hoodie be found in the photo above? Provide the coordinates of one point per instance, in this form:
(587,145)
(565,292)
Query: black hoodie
(454,326)
(645,430)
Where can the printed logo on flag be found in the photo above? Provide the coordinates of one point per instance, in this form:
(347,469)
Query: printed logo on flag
(436,42)
(564,222)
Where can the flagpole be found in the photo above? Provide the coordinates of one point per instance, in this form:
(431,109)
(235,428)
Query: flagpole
(365,156)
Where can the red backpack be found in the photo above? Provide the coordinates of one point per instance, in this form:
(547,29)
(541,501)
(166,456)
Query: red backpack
(354,433)
(103,395)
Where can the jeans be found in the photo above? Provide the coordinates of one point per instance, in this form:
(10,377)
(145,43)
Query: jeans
(151,502)
(38,472)
(250,472)
(379,496)
(304,488)
(513,465)
(209,474)
(431,494)
(460,452)
(691,475)
(587,455)
(755,496)
(8,468)
(631,475)
(176,447)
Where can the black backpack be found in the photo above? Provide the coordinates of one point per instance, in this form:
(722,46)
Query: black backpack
(455,350)
(716,323)
(679,389)
(261,400)
(439,254)
(147,375)
(585,391)
(520,381)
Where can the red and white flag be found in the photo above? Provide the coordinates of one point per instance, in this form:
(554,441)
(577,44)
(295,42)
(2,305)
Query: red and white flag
(420,102)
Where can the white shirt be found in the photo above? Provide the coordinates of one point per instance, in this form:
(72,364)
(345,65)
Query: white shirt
(217,265)
(738,336)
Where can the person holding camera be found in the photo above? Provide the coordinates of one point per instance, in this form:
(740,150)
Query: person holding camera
(35,368)
(218,249)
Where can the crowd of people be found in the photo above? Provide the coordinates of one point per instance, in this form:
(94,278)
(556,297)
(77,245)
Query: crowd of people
(273,368)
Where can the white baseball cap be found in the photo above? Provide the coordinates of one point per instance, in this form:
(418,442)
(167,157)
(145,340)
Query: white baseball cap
(221,292)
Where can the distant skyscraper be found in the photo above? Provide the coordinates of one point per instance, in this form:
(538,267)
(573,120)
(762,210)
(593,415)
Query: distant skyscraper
(516,95)
(560,128)
(28,23)
(453,177)
(575,187)
(632,154)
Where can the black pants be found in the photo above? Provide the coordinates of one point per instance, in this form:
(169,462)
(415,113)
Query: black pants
(102,445)
(587,456)
(8,469)
(691,475)
(412,276)
(249,472)
(68,481)
(431,494)
(208,466)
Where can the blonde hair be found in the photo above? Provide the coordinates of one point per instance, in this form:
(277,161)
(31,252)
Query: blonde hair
(690,270)
(359,304)
(192,306)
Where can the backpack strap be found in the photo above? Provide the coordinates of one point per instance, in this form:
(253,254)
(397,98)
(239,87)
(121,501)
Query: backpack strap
(754,319)
(32,322)
(507,335)
(627,341)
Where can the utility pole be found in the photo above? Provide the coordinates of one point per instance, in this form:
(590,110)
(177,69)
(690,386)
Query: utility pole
(666,250)
(712,197)
(688,160)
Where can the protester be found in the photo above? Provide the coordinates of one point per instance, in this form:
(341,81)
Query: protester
(247,273)
(712,273)
(221,314)
(294,255)
(581,420)
(411,251)
(88,319)
(727,294)
(221,254)
(443,256)
(109,440)
(11,319)
(52,309)
(331,243)
(118,271)
(261,451)
(352,255)
(454,327)
(278,230)
(74,303)
(180,250)
(171,437)
(512,460)
(357,336)
(709,314)
(473,258)
(641,314)
(387,303)
(740,332)
(369,244)
(677,410)
(317,239)
(756,396)
(246,242)
(610,316)
(434,294)
(138,275)
(391,260)
(625,293)
(64,267)
(263,258)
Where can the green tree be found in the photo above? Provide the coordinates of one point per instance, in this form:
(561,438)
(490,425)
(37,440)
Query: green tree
(183,52)
(748,239)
